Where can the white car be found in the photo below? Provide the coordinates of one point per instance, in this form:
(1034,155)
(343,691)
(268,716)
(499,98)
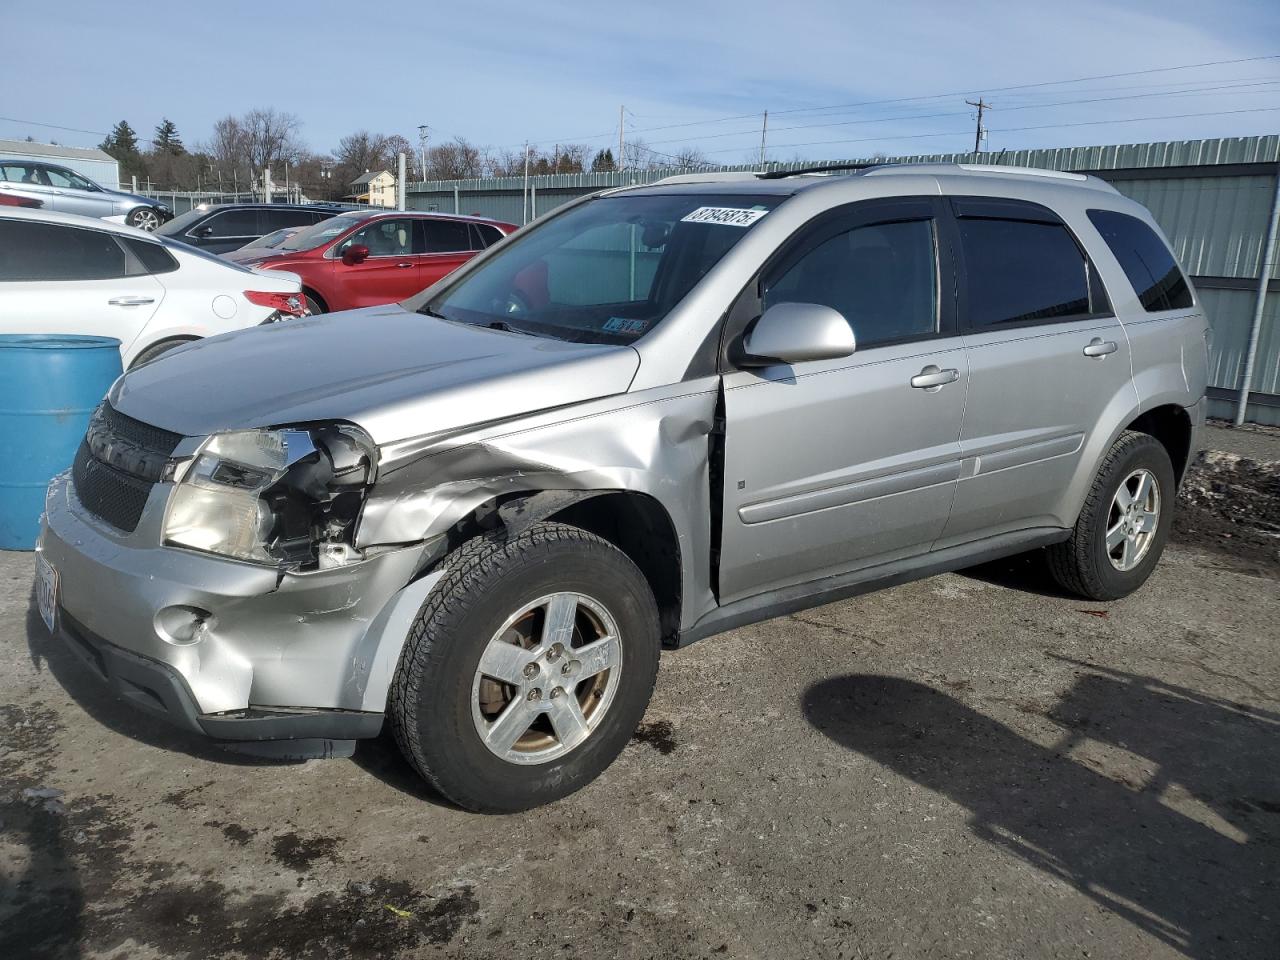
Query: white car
(61,273)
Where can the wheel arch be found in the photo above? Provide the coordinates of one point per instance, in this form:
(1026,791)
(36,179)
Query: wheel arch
(314,294)
(636,523)
(1171,425)
(169,342)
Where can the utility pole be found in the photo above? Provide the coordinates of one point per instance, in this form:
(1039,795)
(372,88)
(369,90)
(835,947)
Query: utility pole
(422,143)
(525,211)
(622,120)
(981,133)
(764,131)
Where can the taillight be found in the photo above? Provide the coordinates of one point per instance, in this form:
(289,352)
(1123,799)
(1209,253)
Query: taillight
(9,200)
(291,303)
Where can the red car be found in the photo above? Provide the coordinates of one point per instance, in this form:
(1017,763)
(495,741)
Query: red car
(365,257)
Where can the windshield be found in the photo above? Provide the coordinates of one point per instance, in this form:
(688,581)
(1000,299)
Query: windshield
(273,239)
(180,223)
(308,238)
(608,271)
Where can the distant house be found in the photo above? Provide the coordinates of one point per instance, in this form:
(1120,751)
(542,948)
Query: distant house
(99,167)
(377,189)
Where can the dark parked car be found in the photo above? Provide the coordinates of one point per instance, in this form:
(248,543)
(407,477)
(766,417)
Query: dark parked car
(217,228)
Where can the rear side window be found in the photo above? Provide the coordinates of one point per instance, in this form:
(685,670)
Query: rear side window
(271,220)
(153,257)
(445,236)
(46,251)
(1019,271)
(1145,259)
(232,223)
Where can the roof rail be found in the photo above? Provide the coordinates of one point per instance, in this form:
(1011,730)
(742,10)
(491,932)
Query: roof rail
(782,174)
(704,177)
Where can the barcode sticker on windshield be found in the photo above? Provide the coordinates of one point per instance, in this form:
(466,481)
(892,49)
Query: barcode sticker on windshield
(726,216)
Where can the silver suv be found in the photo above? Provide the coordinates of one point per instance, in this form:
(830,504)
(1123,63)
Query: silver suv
(63,190)
(654,415)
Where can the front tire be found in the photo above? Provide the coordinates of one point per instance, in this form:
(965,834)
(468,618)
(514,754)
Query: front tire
(528,668)
(1121,532)
(144,218)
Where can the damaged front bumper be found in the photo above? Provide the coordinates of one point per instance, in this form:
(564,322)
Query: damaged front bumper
(231,650)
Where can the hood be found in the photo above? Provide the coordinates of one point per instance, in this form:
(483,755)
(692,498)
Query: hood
(395,373)
(119,196)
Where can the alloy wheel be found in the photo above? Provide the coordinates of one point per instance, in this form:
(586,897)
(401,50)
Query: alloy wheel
(546,678)
(1133,519)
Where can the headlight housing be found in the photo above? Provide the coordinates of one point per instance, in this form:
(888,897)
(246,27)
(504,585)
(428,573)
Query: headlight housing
(284,497)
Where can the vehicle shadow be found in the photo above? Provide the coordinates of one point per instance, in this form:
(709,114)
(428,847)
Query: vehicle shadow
(1025,572)
(1189,852)
(381,758)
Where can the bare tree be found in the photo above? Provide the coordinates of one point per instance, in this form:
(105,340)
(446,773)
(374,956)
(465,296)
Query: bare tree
(271,136)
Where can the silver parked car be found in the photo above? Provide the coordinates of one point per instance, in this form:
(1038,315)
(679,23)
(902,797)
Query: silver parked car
(656,414)
(58,188)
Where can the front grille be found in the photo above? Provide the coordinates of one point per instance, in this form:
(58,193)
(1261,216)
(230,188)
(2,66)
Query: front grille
(118,463)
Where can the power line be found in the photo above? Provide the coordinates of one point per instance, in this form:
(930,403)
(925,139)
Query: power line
(1046,126)
(936,96)
(965,113)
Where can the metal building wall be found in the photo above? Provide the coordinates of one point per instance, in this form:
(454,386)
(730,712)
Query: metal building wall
(1213,198)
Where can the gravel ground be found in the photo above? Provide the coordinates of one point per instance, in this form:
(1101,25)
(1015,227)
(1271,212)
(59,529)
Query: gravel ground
(969,766)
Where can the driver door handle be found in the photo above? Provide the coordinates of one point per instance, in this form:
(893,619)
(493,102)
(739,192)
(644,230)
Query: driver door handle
(933,378)
(130,301)
(404,264)
(1099,348)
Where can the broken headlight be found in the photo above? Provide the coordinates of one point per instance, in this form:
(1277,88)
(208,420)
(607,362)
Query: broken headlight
(287,497)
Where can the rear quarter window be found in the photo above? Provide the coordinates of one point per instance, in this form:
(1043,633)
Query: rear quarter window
(1146,261)
(46,251)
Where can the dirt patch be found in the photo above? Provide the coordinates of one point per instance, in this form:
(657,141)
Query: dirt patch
(1231,505)
(658,735)
(299,853)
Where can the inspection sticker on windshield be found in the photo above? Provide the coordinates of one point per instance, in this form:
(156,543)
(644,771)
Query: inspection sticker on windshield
(726,216)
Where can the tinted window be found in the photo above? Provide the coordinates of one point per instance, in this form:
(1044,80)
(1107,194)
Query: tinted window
(153,257)
(231,223)
(1145,259)
(446,236)
(275,219)
(881,278)
(45,251)
(384,238)
(487,235)
(1018,271)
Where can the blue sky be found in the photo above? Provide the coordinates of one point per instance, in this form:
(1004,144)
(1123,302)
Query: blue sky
(500,72)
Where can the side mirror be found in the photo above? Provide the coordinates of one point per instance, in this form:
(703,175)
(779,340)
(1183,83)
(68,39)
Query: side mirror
(357,253)
(204,232)
(796,332)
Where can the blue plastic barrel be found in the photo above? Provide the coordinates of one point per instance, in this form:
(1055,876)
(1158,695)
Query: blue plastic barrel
(49,385)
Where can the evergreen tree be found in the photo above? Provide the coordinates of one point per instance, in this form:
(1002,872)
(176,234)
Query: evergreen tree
(167,139)
(603,162)
(122,144)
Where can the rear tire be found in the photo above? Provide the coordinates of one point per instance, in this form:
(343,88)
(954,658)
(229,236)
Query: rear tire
(1122,529)
(485,706)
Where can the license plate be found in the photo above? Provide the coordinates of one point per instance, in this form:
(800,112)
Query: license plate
(47,592)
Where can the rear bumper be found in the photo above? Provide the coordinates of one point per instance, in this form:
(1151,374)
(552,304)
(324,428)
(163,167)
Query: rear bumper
(159,690)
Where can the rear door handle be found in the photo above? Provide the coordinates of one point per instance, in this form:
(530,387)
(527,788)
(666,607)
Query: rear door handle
(933,378)
(404,264)
(1099,348)
(130,301)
